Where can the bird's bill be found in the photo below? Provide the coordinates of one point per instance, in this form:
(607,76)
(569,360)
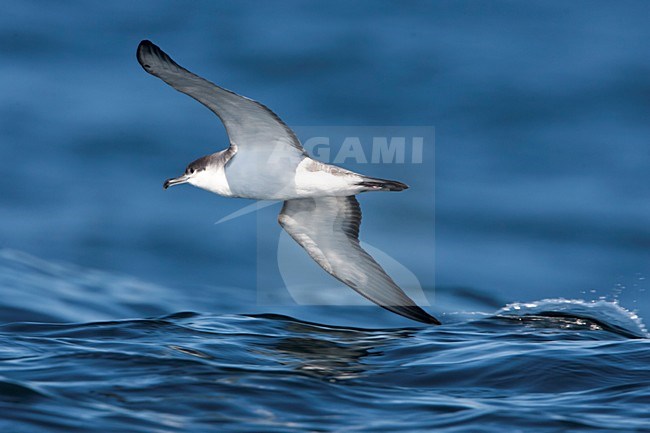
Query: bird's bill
(176,181)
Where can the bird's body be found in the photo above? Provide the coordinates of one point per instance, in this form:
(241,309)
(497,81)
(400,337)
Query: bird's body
(232,175)
(265,161)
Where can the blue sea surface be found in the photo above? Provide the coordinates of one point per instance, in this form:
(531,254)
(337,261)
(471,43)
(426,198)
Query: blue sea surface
(124,307)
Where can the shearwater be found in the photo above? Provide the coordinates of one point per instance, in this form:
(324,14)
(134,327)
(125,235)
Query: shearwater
(265,161)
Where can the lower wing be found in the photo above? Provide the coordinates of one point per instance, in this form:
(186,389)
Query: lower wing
(328,229)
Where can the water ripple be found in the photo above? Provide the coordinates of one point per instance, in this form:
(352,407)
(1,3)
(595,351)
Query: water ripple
(275,373)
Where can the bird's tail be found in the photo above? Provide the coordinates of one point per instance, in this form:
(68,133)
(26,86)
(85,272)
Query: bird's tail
(374,184)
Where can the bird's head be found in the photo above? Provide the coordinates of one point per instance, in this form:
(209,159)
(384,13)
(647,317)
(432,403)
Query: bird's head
(193,175)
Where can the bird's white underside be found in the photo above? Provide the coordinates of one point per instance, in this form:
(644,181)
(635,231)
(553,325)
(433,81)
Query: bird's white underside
(255,179)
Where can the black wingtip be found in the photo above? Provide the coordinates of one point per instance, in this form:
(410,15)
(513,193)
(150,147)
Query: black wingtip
(146,47)
(139,53)
(150,57)
(144,44)
(413,312)
(424,317)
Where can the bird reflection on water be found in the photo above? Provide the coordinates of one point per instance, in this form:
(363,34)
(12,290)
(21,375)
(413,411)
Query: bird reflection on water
(332,353)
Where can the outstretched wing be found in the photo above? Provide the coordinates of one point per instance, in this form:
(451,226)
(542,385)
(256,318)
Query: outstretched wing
(328,229)
(248,123)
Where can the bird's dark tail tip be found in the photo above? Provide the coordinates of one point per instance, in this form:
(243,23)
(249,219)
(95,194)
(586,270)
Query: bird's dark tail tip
(382,185)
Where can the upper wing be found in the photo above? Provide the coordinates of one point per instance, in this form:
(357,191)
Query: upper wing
(247,122)
(328,229)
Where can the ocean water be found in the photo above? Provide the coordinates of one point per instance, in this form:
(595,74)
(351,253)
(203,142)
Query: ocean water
(124,307)
(551,365)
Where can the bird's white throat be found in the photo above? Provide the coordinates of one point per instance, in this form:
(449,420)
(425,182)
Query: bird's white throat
(212,179)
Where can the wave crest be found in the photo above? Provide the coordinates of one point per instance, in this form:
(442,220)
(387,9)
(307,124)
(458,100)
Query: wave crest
(577,314)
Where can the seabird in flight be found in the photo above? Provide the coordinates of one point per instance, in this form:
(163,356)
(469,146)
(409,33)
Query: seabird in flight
(265,161)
